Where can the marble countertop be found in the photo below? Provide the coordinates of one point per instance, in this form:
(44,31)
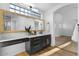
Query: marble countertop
(2,39)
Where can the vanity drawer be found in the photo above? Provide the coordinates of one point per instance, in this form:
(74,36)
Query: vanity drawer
(36,48)
(35,41)
(36,38)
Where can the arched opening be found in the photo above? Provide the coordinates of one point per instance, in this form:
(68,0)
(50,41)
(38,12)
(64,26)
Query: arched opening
(65,21)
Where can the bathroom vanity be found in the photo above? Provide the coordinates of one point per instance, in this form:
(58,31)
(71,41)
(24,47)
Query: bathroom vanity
(33,43)
(13,37)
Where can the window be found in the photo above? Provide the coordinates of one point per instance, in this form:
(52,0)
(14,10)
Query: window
(17,11)
(35,10)
(17,8)
(22,13)
(22,9)
(26,10)
(31,12)
(12,10)
(12,6)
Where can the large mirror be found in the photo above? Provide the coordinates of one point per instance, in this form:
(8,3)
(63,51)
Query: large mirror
(14,22)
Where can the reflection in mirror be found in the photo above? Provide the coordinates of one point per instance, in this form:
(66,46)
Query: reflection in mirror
(7,23)
(36,25)
(39,26)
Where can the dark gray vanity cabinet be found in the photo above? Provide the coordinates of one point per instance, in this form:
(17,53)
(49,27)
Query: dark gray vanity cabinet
(37,43)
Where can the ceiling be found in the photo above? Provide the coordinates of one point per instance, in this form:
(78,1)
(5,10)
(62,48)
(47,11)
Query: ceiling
(45,6)
(67,8)
(41,6)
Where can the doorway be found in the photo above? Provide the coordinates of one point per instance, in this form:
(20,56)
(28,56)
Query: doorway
(65,20)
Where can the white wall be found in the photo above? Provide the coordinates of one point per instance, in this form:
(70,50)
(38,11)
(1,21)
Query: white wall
(78,29)
(58,24)
(75,34)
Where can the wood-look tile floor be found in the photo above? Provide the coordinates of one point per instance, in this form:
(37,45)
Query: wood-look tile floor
(65,49)
(62,39)
(43,51)
(63,53)
(71,47)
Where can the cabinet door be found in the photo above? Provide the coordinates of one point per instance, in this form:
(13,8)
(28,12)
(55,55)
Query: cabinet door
(1,21)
